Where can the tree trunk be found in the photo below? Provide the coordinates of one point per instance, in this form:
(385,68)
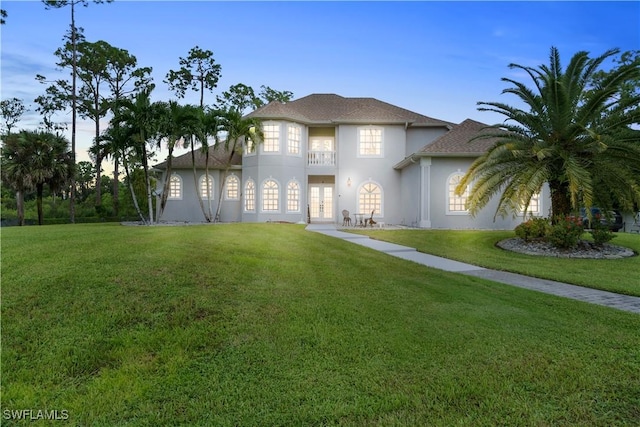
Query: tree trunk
(224,178)
(74,72)
(166,183)
(195,183)
(206,172)
(39,191)
(131,189)
(98,163)
(20,207)
(116,187)
(145,166)
(222,182)
(560,200)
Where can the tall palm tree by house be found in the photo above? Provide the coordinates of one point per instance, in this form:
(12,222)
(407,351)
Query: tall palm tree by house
(576,136)
(139,118)
(33,159)
(177,123)
(116,142)
(237,130)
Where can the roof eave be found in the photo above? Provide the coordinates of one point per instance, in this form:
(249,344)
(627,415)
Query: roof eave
(454,154)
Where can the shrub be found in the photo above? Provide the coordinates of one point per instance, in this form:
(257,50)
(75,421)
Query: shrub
(535,228)
(565,232)
(600,233)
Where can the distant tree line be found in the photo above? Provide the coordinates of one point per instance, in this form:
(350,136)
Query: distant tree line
(106,82)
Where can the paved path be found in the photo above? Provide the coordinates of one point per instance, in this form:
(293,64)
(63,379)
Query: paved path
(594,296)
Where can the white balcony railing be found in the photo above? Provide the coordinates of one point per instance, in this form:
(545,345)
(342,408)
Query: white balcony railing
(321,158)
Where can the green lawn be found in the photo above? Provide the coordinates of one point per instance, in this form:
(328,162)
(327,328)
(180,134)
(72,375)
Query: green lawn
(269,324)
(479,248)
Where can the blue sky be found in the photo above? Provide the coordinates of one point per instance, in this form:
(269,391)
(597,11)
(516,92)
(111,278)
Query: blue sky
(435,58)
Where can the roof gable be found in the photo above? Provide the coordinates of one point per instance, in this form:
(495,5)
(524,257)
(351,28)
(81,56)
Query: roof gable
(332,108)
(457,140)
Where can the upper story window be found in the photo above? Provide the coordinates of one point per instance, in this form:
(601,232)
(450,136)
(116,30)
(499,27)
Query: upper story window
(206,186)
(293,196)
(232,188)
(249,147)
(250,196)
(270,196)
(456,204)
(175,187)
(370,142)
(370,199)
(271,142)
(293,140)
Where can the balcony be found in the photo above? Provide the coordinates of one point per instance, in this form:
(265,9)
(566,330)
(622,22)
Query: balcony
(321,158)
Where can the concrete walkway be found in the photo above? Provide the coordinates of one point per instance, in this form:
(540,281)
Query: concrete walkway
(594,296)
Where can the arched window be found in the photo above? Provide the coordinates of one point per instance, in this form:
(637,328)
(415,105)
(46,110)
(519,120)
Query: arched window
(232,188)
(456,204)
(370,198)
(175,187)
(293,196)
(270,196)
(206,187)
(250,196)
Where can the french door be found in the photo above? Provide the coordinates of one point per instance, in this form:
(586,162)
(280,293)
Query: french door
(321,202)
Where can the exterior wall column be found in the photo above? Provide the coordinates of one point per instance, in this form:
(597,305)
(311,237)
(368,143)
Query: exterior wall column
(425,192)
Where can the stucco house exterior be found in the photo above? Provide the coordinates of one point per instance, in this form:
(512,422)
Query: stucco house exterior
(324,153)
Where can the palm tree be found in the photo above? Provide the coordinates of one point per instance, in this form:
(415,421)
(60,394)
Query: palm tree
(116,141)
(139,118)
(210,127)
(237,129)
(177,123)
(199,134)
(33,159)
(15,169)
(575,136)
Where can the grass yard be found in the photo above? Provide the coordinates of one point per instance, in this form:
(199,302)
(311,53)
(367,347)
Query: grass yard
(269,324)
(479,248)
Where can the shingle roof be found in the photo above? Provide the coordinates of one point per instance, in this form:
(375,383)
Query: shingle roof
(217,160)
(331,108)
(456,141)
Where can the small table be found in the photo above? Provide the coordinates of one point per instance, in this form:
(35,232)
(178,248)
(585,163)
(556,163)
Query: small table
(360,221)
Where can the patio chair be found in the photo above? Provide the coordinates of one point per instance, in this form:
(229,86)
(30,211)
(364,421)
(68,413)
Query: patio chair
(346,219)
(370,221)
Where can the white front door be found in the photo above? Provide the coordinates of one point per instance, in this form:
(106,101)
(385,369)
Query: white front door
(321,202)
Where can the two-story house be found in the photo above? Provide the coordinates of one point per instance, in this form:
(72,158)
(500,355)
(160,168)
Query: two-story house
(325,153)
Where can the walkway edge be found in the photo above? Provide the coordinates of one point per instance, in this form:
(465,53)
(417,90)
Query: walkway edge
(566,290)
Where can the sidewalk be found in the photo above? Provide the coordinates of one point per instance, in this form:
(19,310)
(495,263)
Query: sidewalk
(594,296)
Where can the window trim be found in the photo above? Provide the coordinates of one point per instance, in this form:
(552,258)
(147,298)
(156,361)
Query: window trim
(226,187)
(359,153)
(297,127)
(379,213)
(263,198)
(245,147)
(448,195)
(180,187)
(249,196)
(213,187)
(264,139)
(299,198)
(538,212)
